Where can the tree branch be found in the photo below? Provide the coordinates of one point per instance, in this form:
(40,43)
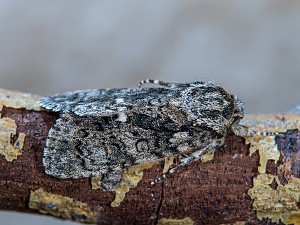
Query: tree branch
(247,181)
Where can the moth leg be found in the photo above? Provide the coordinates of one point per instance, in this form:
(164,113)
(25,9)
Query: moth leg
(243,131)
(187,158)
(158,82)
(111,180)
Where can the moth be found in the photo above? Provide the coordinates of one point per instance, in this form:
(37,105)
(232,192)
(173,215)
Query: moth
(103,131)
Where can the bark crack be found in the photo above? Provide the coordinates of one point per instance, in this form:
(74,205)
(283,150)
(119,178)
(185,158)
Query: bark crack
(160,202)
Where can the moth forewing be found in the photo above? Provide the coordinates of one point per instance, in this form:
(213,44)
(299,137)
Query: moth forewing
(106,130)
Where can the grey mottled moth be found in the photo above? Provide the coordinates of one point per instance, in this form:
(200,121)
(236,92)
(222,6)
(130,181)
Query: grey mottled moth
(106,130)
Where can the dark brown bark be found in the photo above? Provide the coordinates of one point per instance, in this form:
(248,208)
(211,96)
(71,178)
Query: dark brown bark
(214,192)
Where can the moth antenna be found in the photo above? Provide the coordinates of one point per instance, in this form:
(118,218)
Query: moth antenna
(264,133)
(157,82)
(158,180)
(244,131)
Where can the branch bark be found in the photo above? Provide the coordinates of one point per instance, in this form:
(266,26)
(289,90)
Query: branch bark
(247,181)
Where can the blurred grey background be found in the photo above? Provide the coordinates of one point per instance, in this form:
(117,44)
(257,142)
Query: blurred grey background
(249,47)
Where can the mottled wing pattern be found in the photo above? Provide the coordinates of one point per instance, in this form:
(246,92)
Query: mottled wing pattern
(105,130)
(98,102)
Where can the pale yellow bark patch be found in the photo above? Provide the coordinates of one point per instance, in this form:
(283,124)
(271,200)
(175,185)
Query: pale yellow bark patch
(131,177)
(184,221)
(61,206)
(267,149)
(208,156)
(9,150)
(279,203)
(14,99)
